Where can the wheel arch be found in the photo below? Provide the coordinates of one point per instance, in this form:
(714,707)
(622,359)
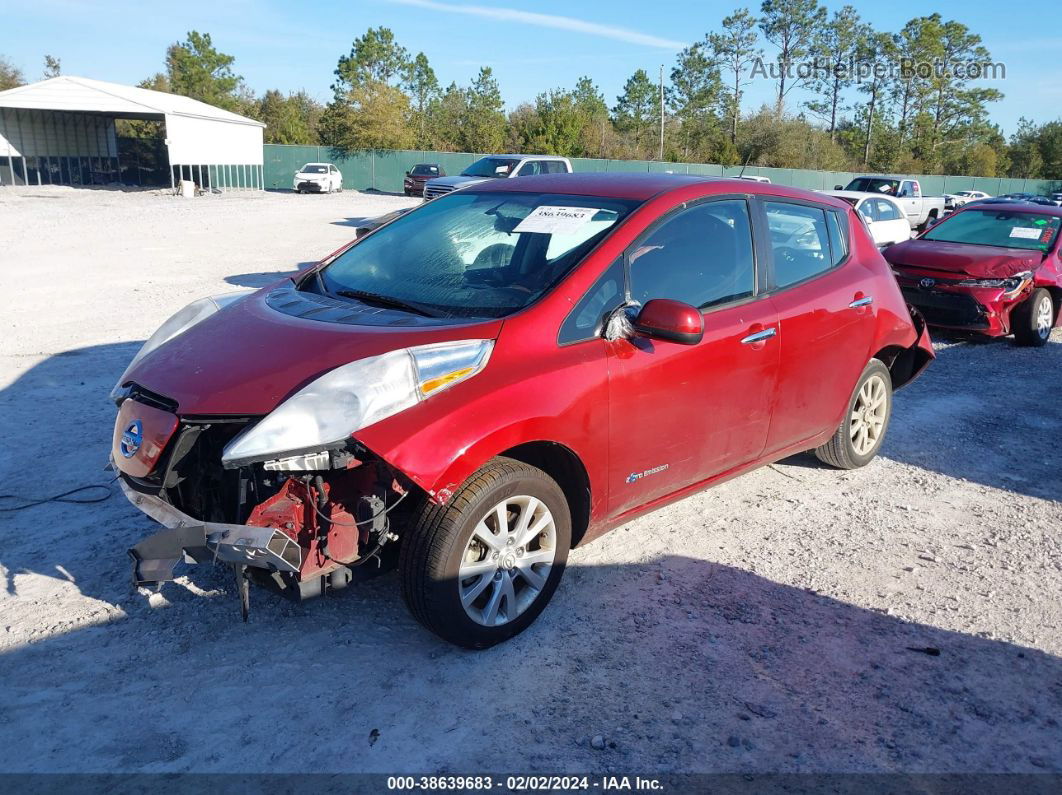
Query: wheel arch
(566,468)
(904,363)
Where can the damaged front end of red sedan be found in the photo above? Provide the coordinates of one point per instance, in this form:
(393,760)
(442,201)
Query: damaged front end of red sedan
(245,472)
(988,269)
(299,524)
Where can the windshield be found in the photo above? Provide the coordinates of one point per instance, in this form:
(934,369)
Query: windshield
(491,167)
(474,254)
(1003,228)
(425,171)
(312,169)
(874,185)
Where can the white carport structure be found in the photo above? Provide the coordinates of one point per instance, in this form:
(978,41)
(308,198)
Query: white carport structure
(62,131)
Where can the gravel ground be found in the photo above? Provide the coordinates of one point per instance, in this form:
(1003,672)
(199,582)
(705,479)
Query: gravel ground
(903,617)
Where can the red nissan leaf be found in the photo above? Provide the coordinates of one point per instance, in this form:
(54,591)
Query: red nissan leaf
(480,384)
(993,267)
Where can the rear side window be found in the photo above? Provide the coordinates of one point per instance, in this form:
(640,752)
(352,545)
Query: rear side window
(800,241)
(554,167)
(838,229)
(701,255)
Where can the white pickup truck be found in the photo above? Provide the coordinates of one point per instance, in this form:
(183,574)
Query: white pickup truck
(497,167)
(921,211)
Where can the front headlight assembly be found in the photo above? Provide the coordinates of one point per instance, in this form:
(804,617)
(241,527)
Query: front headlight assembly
(1011,284)
(341,402)
(184,319)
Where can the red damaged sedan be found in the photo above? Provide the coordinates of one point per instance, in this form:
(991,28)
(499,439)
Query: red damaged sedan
(994,268)
(503,373)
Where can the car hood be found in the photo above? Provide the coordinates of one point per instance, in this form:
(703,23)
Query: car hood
(456,181)
(247,358)
(309,175)
(980,262)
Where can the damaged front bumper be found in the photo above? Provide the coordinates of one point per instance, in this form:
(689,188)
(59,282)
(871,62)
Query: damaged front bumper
(194,541)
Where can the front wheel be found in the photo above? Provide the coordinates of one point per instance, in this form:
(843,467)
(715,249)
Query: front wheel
(861,432)
(1033,319)
(481,568)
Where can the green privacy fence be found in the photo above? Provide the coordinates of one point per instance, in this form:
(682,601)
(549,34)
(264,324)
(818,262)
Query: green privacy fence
(383,171)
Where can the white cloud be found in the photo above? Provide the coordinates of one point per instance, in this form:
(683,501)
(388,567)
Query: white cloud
(549,21)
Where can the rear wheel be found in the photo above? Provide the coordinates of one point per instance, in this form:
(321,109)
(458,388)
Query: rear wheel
(859,437)
(481,568)
(1033,319)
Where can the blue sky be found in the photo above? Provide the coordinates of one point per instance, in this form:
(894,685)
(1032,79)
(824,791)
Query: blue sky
(295,45)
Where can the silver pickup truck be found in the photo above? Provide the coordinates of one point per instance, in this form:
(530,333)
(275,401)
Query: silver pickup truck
(921,211)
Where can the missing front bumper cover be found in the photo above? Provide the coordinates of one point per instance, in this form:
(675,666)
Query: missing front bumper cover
(186,538)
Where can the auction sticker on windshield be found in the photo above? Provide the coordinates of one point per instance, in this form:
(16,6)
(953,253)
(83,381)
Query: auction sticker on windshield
(1025,232)
(556,220)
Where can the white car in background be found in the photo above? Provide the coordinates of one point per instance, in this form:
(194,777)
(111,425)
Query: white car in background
(884,216)
(961,197)
(751,178)
(317,178)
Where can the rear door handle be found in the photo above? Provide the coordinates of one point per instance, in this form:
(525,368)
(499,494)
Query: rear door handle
(865,301)
(759,336)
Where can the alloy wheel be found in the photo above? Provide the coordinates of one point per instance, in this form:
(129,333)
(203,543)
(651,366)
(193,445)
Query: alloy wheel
(1044,318)
(869,413)
(507,560)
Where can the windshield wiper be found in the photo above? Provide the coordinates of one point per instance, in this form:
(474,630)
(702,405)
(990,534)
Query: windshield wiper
(384,300)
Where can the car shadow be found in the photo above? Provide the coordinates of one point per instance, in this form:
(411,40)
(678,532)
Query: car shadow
(263,278)
(973,412)
(62,397)
(356,221)
(678,664)
(964,415)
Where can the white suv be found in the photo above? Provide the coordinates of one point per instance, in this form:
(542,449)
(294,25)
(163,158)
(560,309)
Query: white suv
(317,177)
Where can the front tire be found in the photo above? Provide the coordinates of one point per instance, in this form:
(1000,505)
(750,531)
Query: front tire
(480,569)
(860,434)
(1033,319)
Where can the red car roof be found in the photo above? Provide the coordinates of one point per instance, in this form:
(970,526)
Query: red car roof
(641,186)
(1025,207)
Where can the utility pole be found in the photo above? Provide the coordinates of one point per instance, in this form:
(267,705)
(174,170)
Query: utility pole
(661,113)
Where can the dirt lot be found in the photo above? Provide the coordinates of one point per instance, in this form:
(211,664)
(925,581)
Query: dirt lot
(776,623)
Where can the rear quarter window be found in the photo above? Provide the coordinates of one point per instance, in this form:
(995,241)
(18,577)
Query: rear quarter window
(837,227)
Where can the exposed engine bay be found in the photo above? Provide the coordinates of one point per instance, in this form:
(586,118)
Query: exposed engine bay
(302,524)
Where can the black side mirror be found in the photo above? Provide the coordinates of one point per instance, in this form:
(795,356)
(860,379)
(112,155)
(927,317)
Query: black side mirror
(838,187)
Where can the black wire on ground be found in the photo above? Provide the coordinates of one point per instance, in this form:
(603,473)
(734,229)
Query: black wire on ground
(66,496)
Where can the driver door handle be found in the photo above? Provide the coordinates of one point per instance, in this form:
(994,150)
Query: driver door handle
(759,336)
(864,301)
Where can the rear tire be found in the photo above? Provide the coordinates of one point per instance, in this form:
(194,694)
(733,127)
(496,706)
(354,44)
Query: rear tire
(481,568)
(1033,319)
(860,434)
